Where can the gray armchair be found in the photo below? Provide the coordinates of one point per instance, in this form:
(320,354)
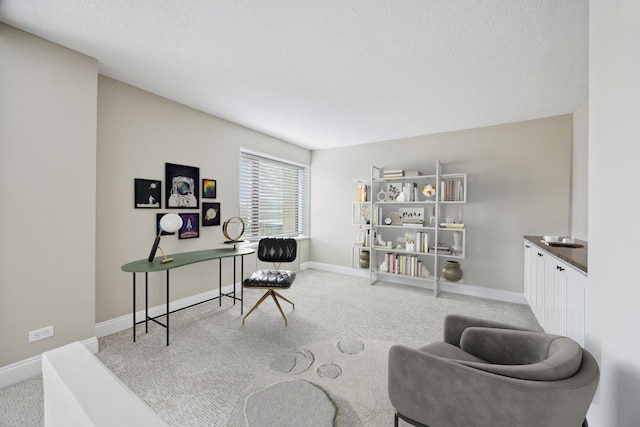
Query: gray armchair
(491,374)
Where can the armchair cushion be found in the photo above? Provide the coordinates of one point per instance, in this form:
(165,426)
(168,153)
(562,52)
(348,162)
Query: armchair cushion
(526,355)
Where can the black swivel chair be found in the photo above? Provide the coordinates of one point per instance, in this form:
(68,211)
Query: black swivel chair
(277,251)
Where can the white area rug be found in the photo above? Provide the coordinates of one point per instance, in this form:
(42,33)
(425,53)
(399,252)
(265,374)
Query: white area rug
(359,392)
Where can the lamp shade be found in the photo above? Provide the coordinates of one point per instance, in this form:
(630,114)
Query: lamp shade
(171,222)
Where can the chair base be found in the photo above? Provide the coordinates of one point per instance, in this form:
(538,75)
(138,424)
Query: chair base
(274,295)
(399,416)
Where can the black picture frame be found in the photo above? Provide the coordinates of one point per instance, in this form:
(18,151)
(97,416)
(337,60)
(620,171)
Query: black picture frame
(210,214)
(147,193)
(209,188)
(190,226)
(182,189)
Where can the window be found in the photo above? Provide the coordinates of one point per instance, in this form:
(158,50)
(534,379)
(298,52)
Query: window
(274,197)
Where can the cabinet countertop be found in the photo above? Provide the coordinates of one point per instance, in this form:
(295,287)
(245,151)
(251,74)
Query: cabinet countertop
(576,257)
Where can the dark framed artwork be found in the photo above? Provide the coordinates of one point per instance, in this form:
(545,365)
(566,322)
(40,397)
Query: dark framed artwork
(182,186)
(190,226)
(147,193)
(209,188)
(210,214)
(164,233)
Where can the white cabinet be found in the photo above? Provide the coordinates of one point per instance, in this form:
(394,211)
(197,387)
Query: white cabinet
(555,291)
(415,223)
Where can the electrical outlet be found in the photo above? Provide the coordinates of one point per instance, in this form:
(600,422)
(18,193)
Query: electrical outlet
(40,334)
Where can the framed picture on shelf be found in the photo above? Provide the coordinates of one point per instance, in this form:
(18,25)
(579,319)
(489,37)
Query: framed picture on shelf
(393,191)
(147,193)
(412,215)
(209,188)
(210,214)
(190,226)
(182,186)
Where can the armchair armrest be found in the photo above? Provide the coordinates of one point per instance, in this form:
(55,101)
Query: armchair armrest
(441,392)
(455,324)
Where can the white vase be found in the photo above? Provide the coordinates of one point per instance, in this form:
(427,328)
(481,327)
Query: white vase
(457,242)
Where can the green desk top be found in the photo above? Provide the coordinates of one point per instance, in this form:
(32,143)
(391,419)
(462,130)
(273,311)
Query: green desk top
(186,258)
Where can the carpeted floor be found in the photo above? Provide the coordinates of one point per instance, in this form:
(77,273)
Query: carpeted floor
(214,362)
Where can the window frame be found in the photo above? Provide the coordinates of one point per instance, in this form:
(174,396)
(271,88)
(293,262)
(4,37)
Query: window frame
(284,205)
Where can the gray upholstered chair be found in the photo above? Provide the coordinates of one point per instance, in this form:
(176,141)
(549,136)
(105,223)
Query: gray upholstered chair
(489,374)
(277,251)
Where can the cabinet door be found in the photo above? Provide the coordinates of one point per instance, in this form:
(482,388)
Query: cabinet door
(575,307)
(559,323)
(530,262)
(540,275)
(549,273)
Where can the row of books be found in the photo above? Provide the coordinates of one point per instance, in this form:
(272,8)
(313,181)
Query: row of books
(451,190)
(442,250)
(408,265)
(364,193)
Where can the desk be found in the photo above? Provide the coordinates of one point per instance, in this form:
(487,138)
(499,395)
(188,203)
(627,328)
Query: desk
(180,260)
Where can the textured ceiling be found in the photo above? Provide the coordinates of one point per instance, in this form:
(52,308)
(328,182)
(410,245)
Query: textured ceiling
(329,73)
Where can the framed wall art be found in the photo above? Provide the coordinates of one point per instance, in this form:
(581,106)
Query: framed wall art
(209,188)
(210,214)
(182,186)
(147,193)
(190,226)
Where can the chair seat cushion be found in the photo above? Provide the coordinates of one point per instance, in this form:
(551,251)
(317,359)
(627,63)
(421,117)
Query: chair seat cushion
(526,355)
(270,279)
(449,351)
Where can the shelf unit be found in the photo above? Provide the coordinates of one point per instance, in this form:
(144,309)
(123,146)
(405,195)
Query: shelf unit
(407,233)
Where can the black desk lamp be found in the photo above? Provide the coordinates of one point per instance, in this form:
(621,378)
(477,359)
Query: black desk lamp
(170,223)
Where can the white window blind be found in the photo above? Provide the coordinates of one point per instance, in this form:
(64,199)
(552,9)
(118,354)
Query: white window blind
(274,197)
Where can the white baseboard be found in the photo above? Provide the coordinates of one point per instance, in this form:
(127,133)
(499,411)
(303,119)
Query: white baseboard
(32,366)
(455,288)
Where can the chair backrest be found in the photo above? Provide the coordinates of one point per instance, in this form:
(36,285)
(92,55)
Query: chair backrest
(277,250)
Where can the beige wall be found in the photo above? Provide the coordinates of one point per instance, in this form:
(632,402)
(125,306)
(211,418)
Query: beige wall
(47,179)
(138,133)
(580,172)
(518,184)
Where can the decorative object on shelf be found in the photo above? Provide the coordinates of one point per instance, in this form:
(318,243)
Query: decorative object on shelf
(209,189)
(410,246)
(169,223)
(225,229)
(388,221)
(190,226)
(360,238)
(396,218)
(182,189)
(364,259)
(451,271)
(210,214)
(382,196)
(379,240)
(148,193)
(393,191)
(364,213)
(425,273)
(457,242)
(429,191)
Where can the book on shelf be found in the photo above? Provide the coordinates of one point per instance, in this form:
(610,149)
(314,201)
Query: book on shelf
(399,173)
(442,250)
(452,226)
(409,174)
